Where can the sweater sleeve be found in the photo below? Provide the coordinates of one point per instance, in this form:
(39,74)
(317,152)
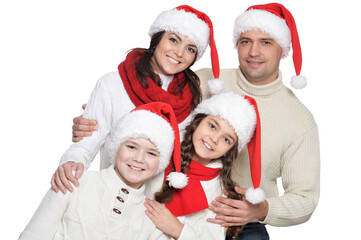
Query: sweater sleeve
(197,228)
(300,170)
(98,108)
(48,217)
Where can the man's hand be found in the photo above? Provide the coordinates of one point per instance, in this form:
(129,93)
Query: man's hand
(83,127)
(162,218)
(63,176)
(231,212)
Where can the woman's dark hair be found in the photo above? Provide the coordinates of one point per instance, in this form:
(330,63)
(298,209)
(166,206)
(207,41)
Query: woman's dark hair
(144,70)
(187,151)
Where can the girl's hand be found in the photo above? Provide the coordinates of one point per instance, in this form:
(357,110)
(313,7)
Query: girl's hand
(163,219)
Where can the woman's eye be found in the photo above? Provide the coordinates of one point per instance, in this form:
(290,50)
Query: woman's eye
(130,146)
(192,50)
(173,40)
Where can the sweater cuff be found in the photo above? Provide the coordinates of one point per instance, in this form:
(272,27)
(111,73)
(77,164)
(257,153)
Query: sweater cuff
(187,233)
(74,156)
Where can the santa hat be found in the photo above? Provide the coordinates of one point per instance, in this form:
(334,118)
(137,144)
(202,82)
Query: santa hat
(194,24)
(278,22)
(241,112)
(155,121)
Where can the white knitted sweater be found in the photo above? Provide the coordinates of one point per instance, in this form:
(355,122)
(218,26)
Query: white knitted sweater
(290,148)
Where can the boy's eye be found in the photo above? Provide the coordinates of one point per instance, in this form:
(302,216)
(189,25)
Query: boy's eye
(130,146)
(153,154)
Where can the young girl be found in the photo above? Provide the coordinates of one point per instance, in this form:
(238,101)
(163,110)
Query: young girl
(222,126)
(160,73)
(109,204)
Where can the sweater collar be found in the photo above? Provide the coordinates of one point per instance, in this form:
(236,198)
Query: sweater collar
(259,90)
(166,80)
(113,182)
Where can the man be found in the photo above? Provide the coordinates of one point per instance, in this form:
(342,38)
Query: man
(289,143)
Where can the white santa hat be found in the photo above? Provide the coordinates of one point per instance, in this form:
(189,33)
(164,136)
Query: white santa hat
(155,121)
(195,25)
(241,112)
(278,22)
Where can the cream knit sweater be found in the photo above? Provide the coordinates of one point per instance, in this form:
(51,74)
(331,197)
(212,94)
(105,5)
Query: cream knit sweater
(103,207)
(290,148)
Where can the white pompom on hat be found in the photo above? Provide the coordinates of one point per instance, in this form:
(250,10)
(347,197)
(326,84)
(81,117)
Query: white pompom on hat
(155,121)
(278,22)
(241,112)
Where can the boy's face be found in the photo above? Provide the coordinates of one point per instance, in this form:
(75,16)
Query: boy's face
(137,160)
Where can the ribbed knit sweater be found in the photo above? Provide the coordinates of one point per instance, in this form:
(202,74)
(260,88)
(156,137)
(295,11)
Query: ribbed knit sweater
(290,148)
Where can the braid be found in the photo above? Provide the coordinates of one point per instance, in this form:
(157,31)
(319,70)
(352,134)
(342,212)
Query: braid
(165,195)
(228,184)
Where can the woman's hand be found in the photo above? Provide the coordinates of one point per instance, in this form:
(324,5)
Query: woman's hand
(63,176)
(83,127)
(163,219)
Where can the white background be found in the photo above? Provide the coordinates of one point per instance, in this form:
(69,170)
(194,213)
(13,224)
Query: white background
(53,52)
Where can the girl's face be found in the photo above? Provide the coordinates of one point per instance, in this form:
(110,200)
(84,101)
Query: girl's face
(173,54)
(213,138)
(137,161)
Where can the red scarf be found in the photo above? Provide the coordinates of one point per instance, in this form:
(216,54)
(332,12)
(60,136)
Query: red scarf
(192,198)
(181,102)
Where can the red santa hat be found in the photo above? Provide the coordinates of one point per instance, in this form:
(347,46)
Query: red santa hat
(278,22)
(241,112)
(155,121)
(195,25)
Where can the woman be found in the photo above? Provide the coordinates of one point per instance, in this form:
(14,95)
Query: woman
(160,73)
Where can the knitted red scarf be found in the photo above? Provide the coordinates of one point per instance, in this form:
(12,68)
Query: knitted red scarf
(192,198)
(181,102)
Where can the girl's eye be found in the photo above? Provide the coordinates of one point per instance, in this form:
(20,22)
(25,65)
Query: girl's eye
(227,140)
(173,40)
(212,126)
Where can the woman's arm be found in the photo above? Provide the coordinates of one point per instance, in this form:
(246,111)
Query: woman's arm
(99,107)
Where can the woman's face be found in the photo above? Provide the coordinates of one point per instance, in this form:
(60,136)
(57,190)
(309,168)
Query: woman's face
(137,161)
(213,138)
(174,53)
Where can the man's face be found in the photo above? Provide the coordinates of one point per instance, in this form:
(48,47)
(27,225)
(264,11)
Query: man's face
(259,57)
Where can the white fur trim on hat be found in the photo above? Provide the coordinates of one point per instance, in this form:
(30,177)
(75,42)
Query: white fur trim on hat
(177,180)
(185,23)
(255,19)
(236,110)
(255,196)
(143,124)
(298,82)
